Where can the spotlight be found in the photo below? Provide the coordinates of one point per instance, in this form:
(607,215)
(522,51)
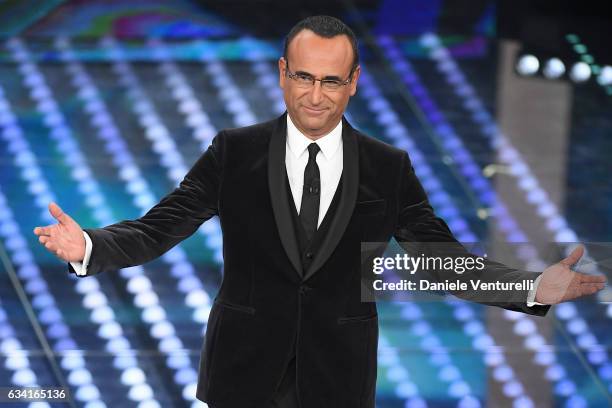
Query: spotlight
(605,76)
(554,68)
(581,72)
(528,65)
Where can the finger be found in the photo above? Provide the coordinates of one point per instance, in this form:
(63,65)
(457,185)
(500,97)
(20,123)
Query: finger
(590,289)
(51,246)
(597,286)
(57,213)
(43,239)
(43,230)
(574,257)
(584,278)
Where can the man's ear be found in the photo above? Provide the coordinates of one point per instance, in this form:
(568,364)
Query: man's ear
(354,80)
(282,64)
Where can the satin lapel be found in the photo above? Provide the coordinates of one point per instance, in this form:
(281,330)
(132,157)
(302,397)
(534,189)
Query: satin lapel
(278,193)
(348,197)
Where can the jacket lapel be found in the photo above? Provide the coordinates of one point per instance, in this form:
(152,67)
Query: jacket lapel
(278,193)
(348,197)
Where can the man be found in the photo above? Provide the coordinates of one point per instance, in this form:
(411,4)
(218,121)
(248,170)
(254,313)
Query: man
(295,197)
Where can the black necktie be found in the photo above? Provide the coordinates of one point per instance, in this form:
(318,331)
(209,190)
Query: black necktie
(311,193)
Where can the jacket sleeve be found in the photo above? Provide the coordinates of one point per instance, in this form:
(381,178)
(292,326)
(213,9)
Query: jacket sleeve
(419,229)
(177,216)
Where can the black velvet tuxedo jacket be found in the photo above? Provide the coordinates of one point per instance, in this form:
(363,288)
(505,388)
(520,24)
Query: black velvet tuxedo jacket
(268,305)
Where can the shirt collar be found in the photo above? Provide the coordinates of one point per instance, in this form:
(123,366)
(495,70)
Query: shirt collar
(298,143)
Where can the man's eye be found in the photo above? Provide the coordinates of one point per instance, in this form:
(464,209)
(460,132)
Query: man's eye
(304,78)
(331,83)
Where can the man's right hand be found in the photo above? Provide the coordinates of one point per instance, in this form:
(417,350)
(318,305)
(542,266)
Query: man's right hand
(64,239)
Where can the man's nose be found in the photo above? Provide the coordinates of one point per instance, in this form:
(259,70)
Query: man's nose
(316,93)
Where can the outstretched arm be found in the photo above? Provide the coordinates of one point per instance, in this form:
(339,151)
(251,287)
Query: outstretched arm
(417,223)
(134,242)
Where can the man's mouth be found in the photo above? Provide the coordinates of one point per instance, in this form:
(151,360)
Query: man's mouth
(314,111)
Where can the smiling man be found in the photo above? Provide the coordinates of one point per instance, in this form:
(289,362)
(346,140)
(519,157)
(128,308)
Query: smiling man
(295,197)
(333,62)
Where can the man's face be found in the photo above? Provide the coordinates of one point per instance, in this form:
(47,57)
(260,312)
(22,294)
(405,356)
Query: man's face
(314,110)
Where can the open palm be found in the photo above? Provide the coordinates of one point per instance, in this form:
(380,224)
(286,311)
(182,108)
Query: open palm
(559,283)
(64,239)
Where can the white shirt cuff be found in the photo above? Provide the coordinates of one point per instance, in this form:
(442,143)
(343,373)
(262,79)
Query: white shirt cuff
(81,267)
(532,293)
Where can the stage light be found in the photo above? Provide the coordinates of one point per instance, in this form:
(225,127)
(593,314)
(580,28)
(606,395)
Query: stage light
(523,402)
(565,387)
(397,373)
(586,340)
(197,298)
(201,314)
(576,401)
(459,389)
(137,186)
(109,330)
(94,299)
(605,76)
(79,376)
(41,300)
(180,269)
(162,329)
(50,315)
(146,298)
(24,377)
(124,362)
(153,314)
(406,389)
(36,285)
(117,344)
(169,344)
(554,68)
(555,372)
(415,402)
(576,326)
(16,362)
(132,376)
(580,72)
(597,354)
(482,341)
(469,401)
(139,283)
(605,371)
(102,314)
(503,373)
(178,361)
(545,358)
(185,376)
(528,65)
(189,283)
(87,285)
(449,373)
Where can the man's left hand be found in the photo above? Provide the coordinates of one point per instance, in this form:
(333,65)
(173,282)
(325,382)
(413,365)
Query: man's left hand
(559,283)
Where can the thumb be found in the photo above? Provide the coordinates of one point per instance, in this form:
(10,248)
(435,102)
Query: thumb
(58,214)
(574,256)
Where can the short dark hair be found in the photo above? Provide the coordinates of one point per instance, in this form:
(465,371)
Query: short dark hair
(327,27)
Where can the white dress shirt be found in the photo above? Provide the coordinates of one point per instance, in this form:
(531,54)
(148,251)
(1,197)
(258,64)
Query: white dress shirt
(330,162)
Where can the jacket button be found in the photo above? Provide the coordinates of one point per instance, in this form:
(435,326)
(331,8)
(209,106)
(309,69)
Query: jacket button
(309,255)
(304,289)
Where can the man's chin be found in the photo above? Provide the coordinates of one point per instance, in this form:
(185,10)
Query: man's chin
(313,126)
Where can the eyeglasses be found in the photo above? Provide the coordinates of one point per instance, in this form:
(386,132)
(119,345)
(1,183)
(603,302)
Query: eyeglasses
(304,80)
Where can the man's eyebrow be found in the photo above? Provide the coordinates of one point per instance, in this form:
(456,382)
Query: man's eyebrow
(329,77)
